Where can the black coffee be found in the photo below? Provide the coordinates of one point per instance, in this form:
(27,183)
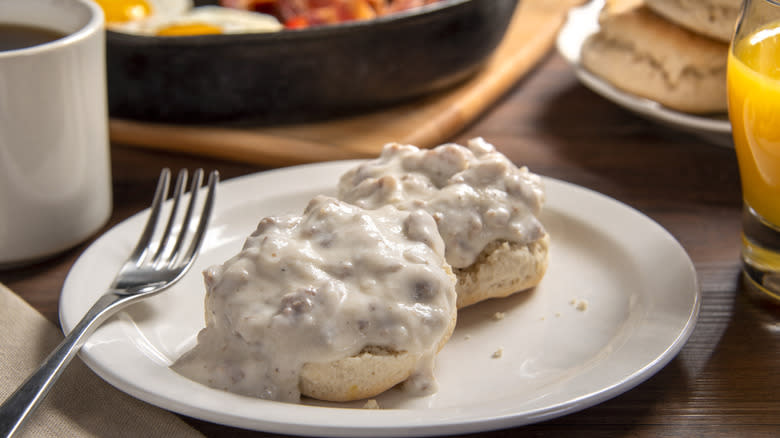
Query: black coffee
(19,36)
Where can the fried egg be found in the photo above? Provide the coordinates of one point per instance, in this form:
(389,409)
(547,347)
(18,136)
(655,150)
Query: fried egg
(203,20)
(127,11)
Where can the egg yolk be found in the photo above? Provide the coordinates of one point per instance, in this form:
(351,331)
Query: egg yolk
(185,29)
(122,11)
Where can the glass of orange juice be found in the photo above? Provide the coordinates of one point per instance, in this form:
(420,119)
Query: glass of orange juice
(754,110)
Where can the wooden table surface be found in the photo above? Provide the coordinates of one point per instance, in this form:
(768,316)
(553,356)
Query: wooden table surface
(726,380)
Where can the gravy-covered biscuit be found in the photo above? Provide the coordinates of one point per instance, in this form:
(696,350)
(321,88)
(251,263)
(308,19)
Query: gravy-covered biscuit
(485,207)
(339,304)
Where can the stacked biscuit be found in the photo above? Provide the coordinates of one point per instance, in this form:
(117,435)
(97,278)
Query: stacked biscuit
(670,51)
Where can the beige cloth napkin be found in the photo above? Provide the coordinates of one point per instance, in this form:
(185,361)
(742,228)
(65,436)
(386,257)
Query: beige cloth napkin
(80,404)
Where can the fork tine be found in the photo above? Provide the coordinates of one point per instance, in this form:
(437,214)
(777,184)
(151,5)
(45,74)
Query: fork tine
(159,195)
(178,191)
(197,179)
(200,232)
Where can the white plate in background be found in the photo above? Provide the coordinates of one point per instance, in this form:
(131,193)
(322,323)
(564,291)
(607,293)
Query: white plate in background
(581,23)
(618,302)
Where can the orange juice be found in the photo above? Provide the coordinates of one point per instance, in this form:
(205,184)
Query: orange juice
(754,110)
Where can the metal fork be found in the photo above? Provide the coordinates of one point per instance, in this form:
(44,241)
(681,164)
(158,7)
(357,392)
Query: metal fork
(155,264)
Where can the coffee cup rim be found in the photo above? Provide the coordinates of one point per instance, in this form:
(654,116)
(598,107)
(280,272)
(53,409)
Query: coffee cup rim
(95,23)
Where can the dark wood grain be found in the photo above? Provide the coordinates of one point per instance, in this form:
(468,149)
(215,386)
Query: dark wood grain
(726,380)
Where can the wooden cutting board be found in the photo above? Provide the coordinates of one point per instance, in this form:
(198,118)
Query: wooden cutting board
(426,122)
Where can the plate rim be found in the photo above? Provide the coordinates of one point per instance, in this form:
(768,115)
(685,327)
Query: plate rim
(419,427)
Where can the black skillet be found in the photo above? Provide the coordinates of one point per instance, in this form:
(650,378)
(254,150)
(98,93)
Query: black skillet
(302,75)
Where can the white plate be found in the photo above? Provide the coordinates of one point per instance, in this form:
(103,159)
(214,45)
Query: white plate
(639,285)
(580,24)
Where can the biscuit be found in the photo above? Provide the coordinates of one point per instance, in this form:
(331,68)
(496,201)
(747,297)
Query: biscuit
(643,54)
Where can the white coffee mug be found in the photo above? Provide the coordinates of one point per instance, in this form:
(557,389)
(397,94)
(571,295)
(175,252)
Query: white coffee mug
(55,169)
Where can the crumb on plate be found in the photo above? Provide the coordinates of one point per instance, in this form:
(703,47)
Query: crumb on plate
(579,304)
(371,404)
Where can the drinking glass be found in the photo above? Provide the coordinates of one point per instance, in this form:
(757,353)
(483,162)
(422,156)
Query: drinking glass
(753,81)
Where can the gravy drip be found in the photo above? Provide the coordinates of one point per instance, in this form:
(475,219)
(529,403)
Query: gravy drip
(318,288)
(475,194)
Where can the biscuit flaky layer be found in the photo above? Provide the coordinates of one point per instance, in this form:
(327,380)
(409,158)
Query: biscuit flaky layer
(502,269)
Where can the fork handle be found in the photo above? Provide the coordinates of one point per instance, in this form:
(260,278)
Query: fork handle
(18,407)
